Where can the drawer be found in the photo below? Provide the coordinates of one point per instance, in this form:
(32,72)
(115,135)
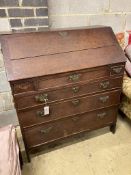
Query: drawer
(23,86)
(67,92)
(117,70)
(58,80)
(45,133)
(68,108)
(80,76)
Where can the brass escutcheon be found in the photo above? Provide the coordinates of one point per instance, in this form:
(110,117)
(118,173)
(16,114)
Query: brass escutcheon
(75,89)
(76,102)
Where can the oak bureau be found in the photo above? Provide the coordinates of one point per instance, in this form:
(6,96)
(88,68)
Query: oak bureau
(64,82)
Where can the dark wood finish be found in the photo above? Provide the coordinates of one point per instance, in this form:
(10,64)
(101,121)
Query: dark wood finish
(68,126)
(67,41)
(30,60)
(71,107)
(61,93)
(49,82)
(74,77)
(76,73)
(59,63)
(23,86)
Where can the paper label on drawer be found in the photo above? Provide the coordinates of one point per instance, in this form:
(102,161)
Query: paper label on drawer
(46,110)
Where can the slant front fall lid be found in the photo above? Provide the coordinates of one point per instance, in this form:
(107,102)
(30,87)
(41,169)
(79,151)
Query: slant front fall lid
(40,54)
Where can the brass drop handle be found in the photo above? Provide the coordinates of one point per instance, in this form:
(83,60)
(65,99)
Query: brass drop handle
(75,89)
(104,99)
(117,70)
(76,102)
(102,115)
(41,98)
(74,77)
(104,84)
(41,114)
(46,131)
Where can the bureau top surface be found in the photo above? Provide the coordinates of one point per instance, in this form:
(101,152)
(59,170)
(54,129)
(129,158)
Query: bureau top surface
(45,53)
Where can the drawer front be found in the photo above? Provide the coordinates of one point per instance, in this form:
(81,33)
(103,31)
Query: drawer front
(66,127)
(23,87)
(86,75)
(72,78)
(117,70)
(66,79)
(67,108)
(67,92)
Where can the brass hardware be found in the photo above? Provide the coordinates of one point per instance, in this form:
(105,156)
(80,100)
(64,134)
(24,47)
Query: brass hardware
(104,84)
(63,34)
(74,77)
(75,119)
(41,98)
(117,70)
(41,114)
(76,102)
(104,99)
(102,115)
(75,89)
(46,131)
